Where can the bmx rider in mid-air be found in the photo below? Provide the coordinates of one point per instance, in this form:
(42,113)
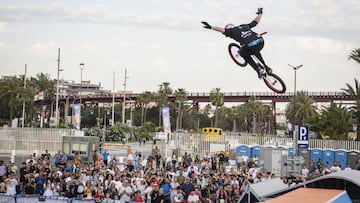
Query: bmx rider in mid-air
(251,43)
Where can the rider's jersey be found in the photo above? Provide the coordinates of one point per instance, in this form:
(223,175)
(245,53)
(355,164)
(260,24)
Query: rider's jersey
(242,33)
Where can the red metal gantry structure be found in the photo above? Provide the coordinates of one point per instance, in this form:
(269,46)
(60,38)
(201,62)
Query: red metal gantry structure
(229,97)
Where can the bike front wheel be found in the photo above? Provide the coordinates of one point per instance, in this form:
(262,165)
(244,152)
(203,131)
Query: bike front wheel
(275,83)
(235,55)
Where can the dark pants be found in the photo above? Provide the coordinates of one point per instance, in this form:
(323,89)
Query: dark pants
(247,51)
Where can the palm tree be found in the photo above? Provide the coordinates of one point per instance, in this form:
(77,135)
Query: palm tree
(305,109)
(217,100)
(180,97)
(336,121)
(163,96)
(11,88)
(145,99)
(354,92)
(257,114)
(355,55)
(42,82)
(239,113)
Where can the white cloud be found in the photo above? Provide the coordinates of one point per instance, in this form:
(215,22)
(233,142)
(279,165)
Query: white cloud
(165,41)
(3,27)
(184,4)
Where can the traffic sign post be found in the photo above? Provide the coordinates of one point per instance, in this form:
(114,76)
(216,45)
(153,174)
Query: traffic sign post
(303,137)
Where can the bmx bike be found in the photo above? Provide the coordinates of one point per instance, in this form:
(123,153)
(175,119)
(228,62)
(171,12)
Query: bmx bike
(273,81)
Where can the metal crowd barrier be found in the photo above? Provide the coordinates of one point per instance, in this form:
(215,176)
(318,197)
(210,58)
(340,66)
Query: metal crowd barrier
(40,199)
(49,199)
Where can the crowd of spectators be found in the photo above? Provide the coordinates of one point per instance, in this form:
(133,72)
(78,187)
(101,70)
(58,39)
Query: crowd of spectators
(150,179)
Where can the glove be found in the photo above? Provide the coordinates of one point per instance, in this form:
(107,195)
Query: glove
(259,11)
(206,25)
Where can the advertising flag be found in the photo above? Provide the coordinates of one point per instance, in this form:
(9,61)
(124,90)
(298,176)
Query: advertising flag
(166,119)
(39,96)
(77,116)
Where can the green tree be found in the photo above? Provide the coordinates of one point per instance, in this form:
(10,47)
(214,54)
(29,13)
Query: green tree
(336,121)
(239,116)
(354,92)
(305,109)
(147,130)
(145,99)
(355,55)
(117,132)
(217,100)
(43,83)
(180,98)
(257,115)
(10,91)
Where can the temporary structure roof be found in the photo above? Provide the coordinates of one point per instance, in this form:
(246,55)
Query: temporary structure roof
(313,195)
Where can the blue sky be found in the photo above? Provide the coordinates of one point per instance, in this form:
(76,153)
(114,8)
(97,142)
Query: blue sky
(162,40)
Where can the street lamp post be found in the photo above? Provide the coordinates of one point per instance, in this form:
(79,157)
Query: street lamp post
(23,110)
(124,98)
(294,116)
(57,90)
(104,130)
(82,66)
(113,102)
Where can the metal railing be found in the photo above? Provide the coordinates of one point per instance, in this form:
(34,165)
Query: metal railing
(200,144)
(21,141)
(26,141)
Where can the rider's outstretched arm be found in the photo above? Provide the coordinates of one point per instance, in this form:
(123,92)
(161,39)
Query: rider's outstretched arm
(258,17)
(219,29)
(216,28)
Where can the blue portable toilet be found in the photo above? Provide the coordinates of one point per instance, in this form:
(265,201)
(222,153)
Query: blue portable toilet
(290,152)
(328,156)
(341,157)
(316,154)
(305,153)
(255,150)
(352,157)
(240,150)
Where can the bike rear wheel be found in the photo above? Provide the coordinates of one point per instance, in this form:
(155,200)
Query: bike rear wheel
(275,83)
(234,54)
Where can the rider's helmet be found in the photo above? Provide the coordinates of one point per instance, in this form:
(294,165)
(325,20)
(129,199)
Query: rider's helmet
(228,26)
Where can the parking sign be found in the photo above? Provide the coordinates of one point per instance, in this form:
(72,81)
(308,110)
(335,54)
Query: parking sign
(303,137)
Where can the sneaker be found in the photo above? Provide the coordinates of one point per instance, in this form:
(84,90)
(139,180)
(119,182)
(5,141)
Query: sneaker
(261,72)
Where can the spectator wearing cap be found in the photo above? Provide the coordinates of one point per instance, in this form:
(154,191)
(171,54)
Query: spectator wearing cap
(157,194)
(153,179)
